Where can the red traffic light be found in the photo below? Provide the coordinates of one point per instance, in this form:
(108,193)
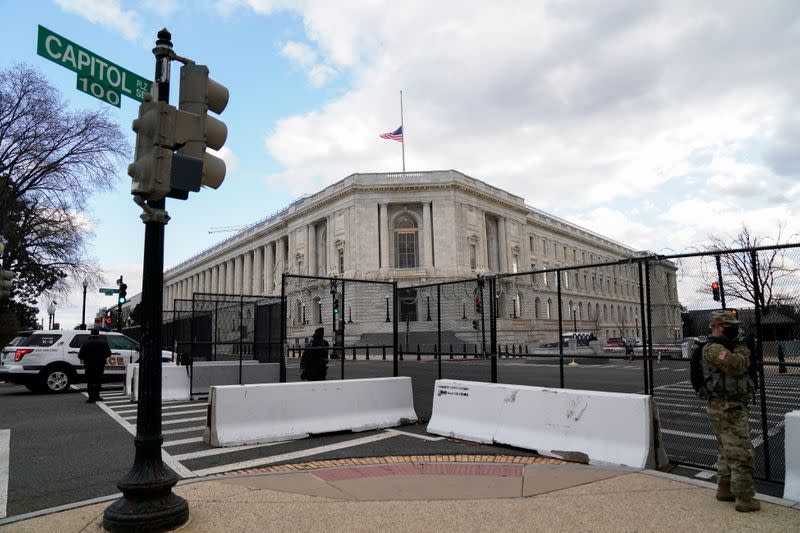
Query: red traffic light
(715,290)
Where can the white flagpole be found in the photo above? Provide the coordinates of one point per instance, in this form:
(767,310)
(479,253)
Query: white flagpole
(403,142)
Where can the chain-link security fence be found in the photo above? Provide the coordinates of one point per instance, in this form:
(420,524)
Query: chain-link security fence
(625,326)
(356,318)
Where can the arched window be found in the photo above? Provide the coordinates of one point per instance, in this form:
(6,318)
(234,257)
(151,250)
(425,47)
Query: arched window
(406,246)
(518,305)
(605,312)
(298,313)
(536,304)
(549,308)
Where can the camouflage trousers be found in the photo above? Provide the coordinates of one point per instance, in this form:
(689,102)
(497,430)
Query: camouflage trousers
(736,461)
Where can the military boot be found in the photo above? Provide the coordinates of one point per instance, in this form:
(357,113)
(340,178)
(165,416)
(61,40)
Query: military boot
(746,503)
(724,493)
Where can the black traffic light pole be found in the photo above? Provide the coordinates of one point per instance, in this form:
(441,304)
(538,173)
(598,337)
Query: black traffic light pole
(147,502)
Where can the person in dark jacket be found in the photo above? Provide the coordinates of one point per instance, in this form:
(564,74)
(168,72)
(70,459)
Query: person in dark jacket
(93,354)
(314,361)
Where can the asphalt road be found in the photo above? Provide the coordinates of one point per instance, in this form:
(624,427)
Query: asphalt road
(63,450)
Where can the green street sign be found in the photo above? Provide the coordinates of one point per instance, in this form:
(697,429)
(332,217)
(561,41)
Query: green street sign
(97,76)
(108,292)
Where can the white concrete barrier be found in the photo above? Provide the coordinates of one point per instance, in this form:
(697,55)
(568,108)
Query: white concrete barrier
(252,414)
(587,426)
(174,383)
(791,488)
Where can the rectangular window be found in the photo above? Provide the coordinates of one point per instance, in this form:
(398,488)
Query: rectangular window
(555,250)
(300,266)
(565,253)
(473,256)
(574,255)
(340,258)
(544,277)
(532,244)
(515,263)
(406,250)
(566,280)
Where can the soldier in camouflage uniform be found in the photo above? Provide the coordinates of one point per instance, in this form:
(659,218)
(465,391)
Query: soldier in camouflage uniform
(728,389)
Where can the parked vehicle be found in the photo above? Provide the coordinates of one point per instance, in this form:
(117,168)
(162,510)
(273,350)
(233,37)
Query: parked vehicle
(11,347)
(47,361)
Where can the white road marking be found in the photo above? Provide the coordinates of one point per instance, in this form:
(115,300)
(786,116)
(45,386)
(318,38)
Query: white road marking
(176,466)
(177,413)
(178,442)
(703,436)
(415,435)
(219,451)
(5,455)
(261,461)
(165,407)
(182,420)
(182,430)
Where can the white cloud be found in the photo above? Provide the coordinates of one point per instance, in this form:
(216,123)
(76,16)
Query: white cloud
(108,13)
(306,58)
(577,107)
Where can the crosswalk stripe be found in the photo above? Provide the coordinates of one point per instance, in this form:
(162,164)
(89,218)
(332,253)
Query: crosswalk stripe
(178,442)
(178,413)
(220,451)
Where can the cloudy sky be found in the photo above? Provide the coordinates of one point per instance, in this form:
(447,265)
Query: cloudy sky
(655,123)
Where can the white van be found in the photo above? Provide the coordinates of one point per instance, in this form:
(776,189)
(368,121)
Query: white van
(47,361)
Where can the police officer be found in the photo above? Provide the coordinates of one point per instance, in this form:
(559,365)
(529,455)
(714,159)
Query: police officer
(728,389)
(314,361)
(94,353)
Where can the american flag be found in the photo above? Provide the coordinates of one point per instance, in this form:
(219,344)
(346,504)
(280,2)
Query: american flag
(396,135)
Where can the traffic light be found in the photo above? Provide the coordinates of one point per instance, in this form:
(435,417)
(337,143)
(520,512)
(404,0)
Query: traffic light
(478,305)
(6,283)
(170,157)
(333,286)
(715,290)
(735,312)
(6,277)
(198,95)
(123,293)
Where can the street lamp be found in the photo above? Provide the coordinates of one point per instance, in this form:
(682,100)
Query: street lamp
(83,312)
(51,310)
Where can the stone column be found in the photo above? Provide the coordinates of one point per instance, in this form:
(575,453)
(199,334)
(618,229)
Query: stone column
(502,244)
(291,250)
(333,260)
(311,249)
(237,275)
(269,265)
(247,273)
(258,270)
(427,237)
(214,278)
(229,276)
(384,233)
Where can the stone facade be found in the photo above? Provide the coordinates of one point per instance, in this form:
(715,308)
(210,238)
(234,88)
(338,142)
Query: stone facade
(423,227)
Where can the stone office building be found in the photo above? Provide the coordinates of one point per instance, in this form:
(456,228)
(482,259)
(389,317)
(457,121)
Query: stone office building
(422,227)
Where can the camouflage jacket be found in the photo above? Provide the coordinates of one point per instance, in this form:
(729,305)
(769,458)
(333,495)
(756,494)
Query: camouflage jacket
(725,365)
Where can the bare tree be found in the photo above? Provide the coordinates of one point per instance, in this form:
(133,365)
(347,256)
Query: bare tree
(740,278)
(51,159)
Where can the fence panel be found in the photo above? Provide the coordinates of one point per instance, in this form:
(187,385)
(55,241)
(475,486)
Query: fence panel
(356,321)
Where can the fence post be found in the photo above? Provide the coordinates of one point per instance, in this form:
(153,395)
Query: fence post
(439,328)
(241,332)
(367,355)
(648,362)
(643,314)
(284,343)
(560,328)
(759,356)
(395,368)
(492,328)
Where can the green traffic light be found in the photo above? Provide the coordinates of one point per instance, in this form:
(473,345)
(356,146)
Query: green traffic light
(122,300)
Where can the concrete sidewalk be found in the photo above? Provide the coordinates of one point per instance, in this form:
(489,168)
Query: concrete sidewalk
(464,493)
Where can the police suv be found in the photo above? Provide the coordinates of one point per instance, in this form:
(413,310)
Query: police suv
(47,361)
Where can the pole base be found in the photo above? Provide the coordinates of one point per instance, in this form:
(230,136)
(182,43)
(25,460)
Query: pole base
(160,513)
(147,502)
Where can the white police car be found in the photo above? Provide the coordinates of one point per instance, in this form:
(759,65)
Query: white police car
(47,361)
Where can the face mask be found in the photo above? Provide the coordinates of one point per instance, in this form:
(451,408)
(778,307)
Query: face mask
(731,332)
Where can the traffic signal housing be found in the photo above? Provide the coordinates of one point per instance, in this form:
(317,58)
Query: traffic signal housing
(171,159)
(199,94)
(478,305)
(6,283)
(123,293)
(715,291)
